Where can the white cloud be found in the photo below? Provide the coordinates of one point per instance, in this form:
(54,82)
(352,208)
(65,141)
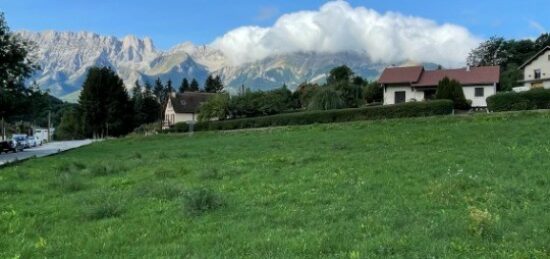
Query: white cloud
(337,26)
(537,26)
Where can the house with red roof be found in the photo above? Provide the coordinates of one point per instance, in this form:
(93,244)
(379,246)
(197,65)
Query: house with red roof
(536,71)
(406,84)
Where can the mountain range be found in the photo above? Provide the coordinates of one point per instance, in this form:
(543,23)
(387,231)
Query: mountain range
(64,58)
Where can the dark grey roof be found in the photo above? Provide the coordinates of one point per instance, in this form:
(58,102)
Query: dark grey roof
(189,102)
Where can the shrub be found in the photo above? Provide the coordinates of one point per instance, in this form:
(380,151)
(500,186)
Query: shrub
(373,93)
(511,101)
(326,98)
(201,200)
(216,107)
(416,109)
(452,90)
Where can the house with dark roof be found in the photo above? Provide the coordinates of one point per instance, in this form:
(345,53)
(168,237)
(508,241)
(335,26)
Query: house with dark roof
(183,107)
(405,84)
(536,71)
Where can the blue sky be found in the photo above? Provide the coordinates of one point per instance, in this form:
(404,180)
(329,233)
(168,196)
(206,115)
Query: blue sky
(170,22)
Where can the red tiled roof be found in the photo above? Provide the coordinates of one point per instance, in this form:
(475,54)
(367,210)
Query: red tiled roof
(396,75)
(418,77)
(476,76)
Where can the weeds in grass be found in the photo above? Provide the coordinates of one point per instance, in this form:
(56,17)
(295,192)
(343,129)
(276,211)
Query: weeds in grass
(107,169)
(163,155)
(103,205)
(137,155)
(69,182)
(161,190)
(211,174)
(202,200)
(481,223)
(6,188)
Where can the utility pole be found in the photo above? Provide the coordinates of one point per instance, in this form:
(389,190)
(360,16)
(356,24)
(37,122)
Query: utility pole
(3,130)
(49,125)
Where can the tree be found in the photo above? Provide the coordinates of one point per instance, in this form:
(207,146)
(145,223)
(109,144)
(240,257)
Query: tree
(158,90)
(137,102)
(326,99)
(339,74)
(70,126)
(216,107)
(169,87)
(373,92)
(184,87)
(213,84)
(452,90)
(492,52)
(105,104)
(15,66)
(194,87)
(351,94)
(304,93)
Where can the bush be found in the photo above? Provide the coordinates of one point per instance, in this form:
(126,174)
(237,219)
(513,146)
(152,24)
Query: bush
(416,109)
(510,101)
(326,98)
(216,107)
(452,90)
(201,200)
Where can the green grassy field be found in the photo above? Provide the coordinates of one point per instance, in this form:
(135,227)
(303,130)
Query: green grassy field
(430,187)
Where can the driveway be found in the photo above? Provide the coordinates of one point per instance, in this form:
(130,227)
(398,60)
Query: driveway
(42,151)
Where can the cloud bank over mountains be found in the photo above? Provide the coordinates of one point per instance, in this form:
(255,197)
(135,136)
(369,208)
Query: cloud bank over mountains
(337,26)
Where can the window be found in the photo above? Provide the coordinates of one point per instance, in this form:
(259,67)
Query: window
(479,92)
(537,73)
(548,57)
(400,97)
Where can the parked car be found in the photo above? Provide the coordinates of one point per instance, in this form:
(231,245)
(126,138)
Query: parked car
(20,140)
(10,146)
(7,146)
(31,141)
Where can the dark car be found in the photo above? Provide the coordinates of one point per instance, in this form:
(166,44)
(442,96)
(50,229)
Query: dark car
(8,146)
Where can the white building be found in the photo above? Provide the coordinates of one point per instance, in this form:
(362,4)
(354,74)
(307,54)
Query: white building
(536,71)
(183,107)
(405,84)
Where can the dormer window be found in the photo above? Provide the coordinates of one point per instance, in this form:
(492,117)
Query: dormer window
(537,73)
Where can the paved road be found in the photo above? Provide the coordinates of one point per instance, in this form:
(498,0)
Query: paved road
(44,150)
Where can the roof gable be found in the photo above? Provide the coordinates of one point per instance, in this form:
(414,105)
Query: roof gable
(397,75)
(188,102)
(536,56)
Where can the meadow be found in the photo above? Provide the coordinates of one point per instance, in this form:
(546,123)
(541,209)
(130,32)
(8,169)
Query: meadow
(473,186)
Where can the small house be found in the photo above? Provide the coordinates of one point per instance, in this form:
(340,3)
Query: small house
(405,84)
(536,71)
(183,107)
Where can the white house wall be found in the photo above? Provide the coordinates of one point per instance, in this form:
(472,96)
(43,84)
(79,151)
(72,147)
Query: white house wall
(469,93)
(410,94)
(542,63)
(418,95)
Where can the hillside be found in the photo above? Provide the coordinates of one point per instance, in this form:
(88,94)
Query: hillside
(467,187)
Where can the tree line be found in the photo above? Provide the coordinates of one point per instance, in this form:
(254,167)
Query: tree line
(343,89)
(509,55)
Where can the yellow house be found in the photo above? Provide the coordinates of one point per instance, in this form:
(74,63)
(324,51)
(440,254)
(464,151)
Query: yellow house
(183,107)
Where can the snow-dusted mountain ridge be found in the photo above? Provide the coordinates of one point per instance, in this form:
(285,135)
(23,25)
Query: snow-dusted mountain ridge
(64,58)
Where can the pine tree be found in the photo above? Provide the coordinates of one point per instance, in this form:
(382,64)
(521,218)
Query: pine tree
(194,87)
(158,90)
(169,88)
(184,87)
(105,104)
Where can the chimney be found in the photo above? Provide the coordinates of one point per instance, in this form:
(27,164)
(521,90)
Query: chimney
(468,68)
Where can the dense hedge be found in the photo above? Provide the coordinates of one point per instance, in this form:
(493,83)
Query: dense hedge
(412,109)
(510,101)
